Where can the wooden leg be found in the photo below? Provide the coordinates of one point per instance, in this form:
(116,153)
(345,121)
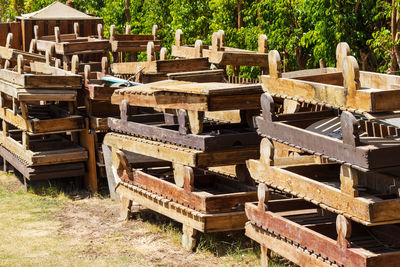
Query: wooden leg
(5,128)
(343,229)
(125,208)
(188,237)
(25,140)
(348,180)
(196,121)
(265,256)
(5,169)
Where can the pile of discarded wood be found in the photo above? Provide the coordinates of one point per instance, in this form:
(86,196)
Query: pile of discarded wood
(346,200)
(184,139)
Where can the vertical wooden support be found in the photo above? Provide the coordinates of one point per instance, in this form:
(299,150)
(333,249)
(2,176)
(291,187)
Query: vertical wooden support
(20,64)
(184,176)
(104,65)
(112,32)
(274,64)
(154,31)
(351,80)
(350,129)
(221,36)
(25,140)
(263,48)
(5,128)
(150,51)
(86,75)
(47,56)
(290,106)
(196,121)
(198,48)
(267,106)
(183,121)
(349,180)
(343,229)
(188,237)
(267,152)
(342,51)
(87,140)
(58,63)
(163,53)
(76,29)
(100,31)
(265,256)
(36,32)
(126,205)
(215,41)
(128,29)
(74,64)
(15,105)
(57,34)
(178,38)
(321,63)
(9,40)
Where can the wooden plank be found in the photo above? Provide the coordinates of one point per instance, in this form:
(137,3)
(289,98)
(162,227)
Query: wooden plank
(284,249)
(87,140)
(367,155)
(202,222)
(204,142)
(199,200)
(184,156)
(366,208)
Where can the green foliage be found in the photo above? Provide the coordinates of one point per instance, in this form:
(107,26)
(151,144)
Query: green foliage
(303,31)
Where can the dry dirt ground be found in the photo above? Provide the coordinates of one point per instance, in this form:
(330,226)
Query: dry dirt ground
(53,229)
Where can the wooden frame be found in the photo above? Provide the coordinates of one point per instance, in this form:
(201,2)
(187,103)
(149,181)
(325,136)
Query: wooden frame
(364,151)
(219,54)
(192,220)
(343,87)
(37,173)
(308,237)
(133,42)
(230,134)
(72,44)
(181,155)
(368,198)
(202,191)
(42,152)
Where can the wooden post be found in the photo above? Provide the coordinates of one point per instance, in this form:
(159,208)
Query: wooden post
(126,205)
(9,40)
(163,53)
(74,64)
(76,29)
(178,38)
(274,64)
(198,48)
(150,51)
(349,180)
(196,121)
(342,51)
(154,31)
(87,140)
(343,229)
(263,48)
(100,31)
(188,237)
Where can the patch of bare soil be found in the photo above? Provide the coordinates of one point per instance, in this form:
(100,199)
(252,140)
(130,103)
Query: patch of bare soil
(95,220)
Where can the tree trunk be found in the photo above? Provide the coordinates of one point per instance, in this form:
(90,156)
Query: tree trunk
(127,11)
(240,18)
(393,25)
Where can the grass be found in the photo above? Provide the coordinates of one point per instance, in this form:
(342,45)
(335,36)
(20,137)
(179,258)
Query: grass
(31,234)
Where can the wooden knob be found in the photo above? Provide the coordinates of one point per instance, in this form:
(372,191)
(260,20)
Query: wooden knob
(178,37)
(150,51)
(198,48)
(154,31)
(221,36)
(262,44)
(57,34)
(351,75)
(274,63)
(215,41)
(128,29)
(36,31)
(112,32)
(104,65)
(74,64)
(100,31)
(342,51)
(20,64)
(76,29)
(163,53)
(9,40)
